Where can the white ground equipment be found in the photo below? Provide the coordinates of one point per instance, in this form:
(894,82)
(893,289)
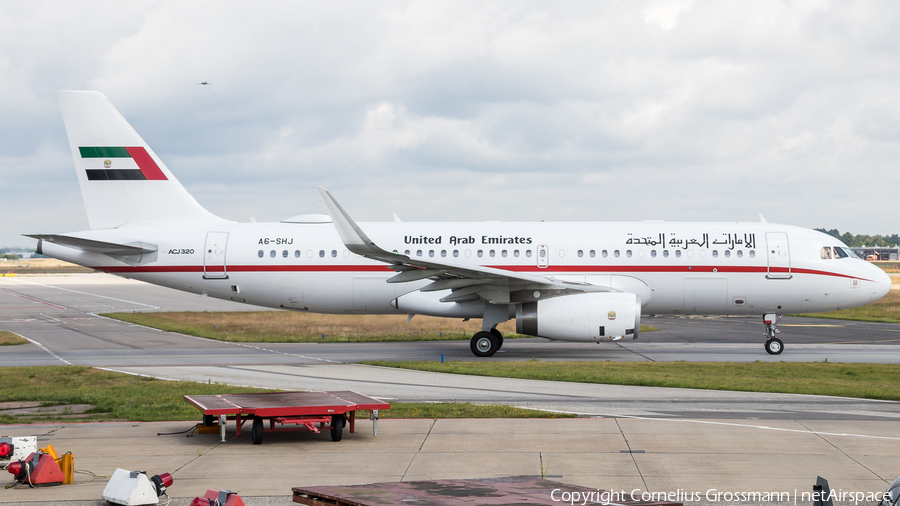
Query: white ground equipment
(892,494)
(16,448)
(134,488)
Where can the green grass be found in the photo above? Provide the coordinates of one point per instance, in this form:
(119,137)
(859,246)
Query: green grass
(867,381)
(8,338)
(124,397)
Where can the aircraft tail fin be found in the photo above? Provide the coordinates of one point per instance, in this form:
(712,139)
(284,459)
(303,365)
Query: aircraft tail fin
(122,180)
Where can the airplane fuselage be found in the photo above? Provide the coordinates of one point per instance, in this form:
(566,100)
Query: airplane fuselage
(677,268)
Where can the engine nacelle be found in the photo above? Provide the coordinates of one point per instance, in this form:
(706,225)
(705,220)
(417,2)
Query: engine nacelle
(582,317)
(429,303)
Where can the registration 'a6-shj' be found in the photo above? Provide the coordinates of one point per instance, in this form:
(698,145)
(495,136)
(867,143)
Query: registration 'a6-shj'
(575,281)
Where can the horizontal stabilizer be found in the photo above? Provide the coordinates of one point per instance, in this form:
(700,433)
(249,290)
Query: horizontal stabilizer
(107,248)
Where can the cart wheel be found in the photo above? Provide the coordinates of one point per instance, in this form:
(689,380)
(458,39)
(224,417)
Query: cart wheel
(210,420)
(256,431)
(337,427)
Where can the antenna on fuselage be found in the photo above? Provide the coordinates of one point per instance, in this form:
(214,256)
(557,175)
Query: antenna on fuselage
(762,219)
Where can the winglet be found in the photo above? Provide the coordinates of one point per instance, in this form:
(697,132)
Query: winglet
(353,237)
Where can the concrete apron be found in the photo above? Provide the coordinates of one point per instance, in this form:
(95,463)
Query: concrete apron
(707,457)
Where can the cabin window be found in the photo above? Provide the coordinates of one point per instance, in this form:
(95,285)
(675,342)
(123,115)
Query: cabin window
(727,253)
(528,253)
(628,253)
(406,252)
(321,253)
(666,253)
(480,253)
(593,253)
(562,253)
(334,253)
(492,253)
(516,253)
(296,253)
(272,253)
(752,253)
(825,253)
(503,253)
(543,253)
(678,253)
(715,253)
(309,253)
(580,253)
(418,253)
(616,253)
(284,254)
(653,253)
(443,253)
(740,253)
(431,252)
(261,253)
(604,254)
(456,253)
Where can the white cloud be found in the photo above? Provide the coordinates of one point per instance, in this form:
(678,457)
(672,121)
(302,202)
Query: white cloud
(460,111)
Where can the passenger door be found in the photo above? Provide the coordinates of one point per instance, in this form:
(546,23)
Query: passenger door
(779,254)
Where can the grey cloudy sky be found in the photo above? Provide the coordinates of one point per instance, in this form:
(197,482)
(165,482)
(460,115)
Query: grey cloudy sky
(675,110)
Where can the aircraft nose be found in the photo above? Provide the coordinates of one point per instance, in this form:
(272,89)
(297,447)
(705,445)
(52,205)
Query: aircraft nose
(882,284)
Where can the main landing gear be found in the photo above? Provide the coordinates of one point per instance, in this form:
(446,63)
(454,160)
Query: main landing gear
(486,343)
(774,346)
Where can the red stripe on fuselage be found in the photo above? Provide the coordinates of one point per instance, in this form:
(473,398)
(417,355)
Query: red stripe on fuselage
(559,269)
(145,162)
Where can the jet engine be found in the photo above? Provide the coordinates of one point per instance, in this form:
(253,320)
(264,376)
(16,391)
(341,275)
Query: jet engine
(582,317)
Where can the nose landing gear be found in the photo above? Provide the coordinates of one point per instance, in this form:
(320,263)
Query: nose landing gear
(774,346)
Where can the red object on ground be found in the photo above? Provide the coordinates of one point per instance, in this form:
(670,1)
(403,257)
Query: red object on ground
(309,410)
(6,449)
(15,467)
(223,498)
(44,470)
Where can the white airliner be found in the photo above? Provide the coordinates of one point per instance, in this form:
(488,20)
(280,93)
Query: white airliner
(566,281)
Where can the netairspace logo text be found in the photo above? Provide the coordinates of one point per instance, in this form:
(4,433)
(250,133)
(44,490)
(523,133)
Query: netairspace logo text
(612,497)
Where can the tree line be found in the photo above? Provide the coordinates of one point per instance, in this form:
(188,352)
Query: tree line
(863,240)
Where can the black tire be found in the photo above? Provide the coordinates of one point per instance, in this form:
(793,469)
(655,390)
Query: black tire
(484,344)
(337,427)
(774,346)
(210,420)
(256,432)
(499,337)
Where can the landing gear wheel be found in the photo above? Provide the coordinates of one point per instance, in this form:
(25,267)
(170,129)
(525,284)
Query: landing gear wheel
(774,346)
(484,344)
(256,432)
(499,337)
(337,427)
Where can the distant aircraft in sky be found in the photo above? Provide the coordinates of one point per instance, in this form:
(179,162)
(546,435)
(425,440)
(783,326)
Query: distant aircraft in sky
(204,83)
(575,281)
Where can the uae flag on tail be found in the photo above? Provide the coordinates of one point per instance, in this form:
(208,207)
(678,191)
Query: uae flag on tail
(122,164)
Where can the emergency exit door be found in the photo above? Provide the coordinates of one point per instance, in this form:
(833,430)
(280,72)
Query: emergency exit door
(214,256)
(779,254)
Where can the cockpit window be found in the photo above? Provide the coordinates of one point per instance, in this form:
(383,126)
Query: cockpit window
(844,252)
(826,253)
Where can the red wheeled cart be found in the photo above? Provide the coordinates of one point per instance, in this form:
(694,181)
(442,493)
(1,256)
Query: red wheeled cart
(312,411)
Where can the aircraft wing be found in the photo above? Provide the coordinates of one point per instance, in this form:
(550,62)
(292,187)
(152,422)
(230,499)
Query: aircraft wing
(467,281)
(107,248)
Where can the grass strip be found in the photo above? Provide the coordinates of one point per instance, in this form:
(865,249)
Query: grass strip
(8,338)
(866,381)
(124,397)
(296,327)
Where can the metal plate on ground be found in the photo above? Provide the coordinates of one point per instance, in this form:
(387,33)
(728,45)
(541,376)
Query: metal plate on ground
(508,490)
